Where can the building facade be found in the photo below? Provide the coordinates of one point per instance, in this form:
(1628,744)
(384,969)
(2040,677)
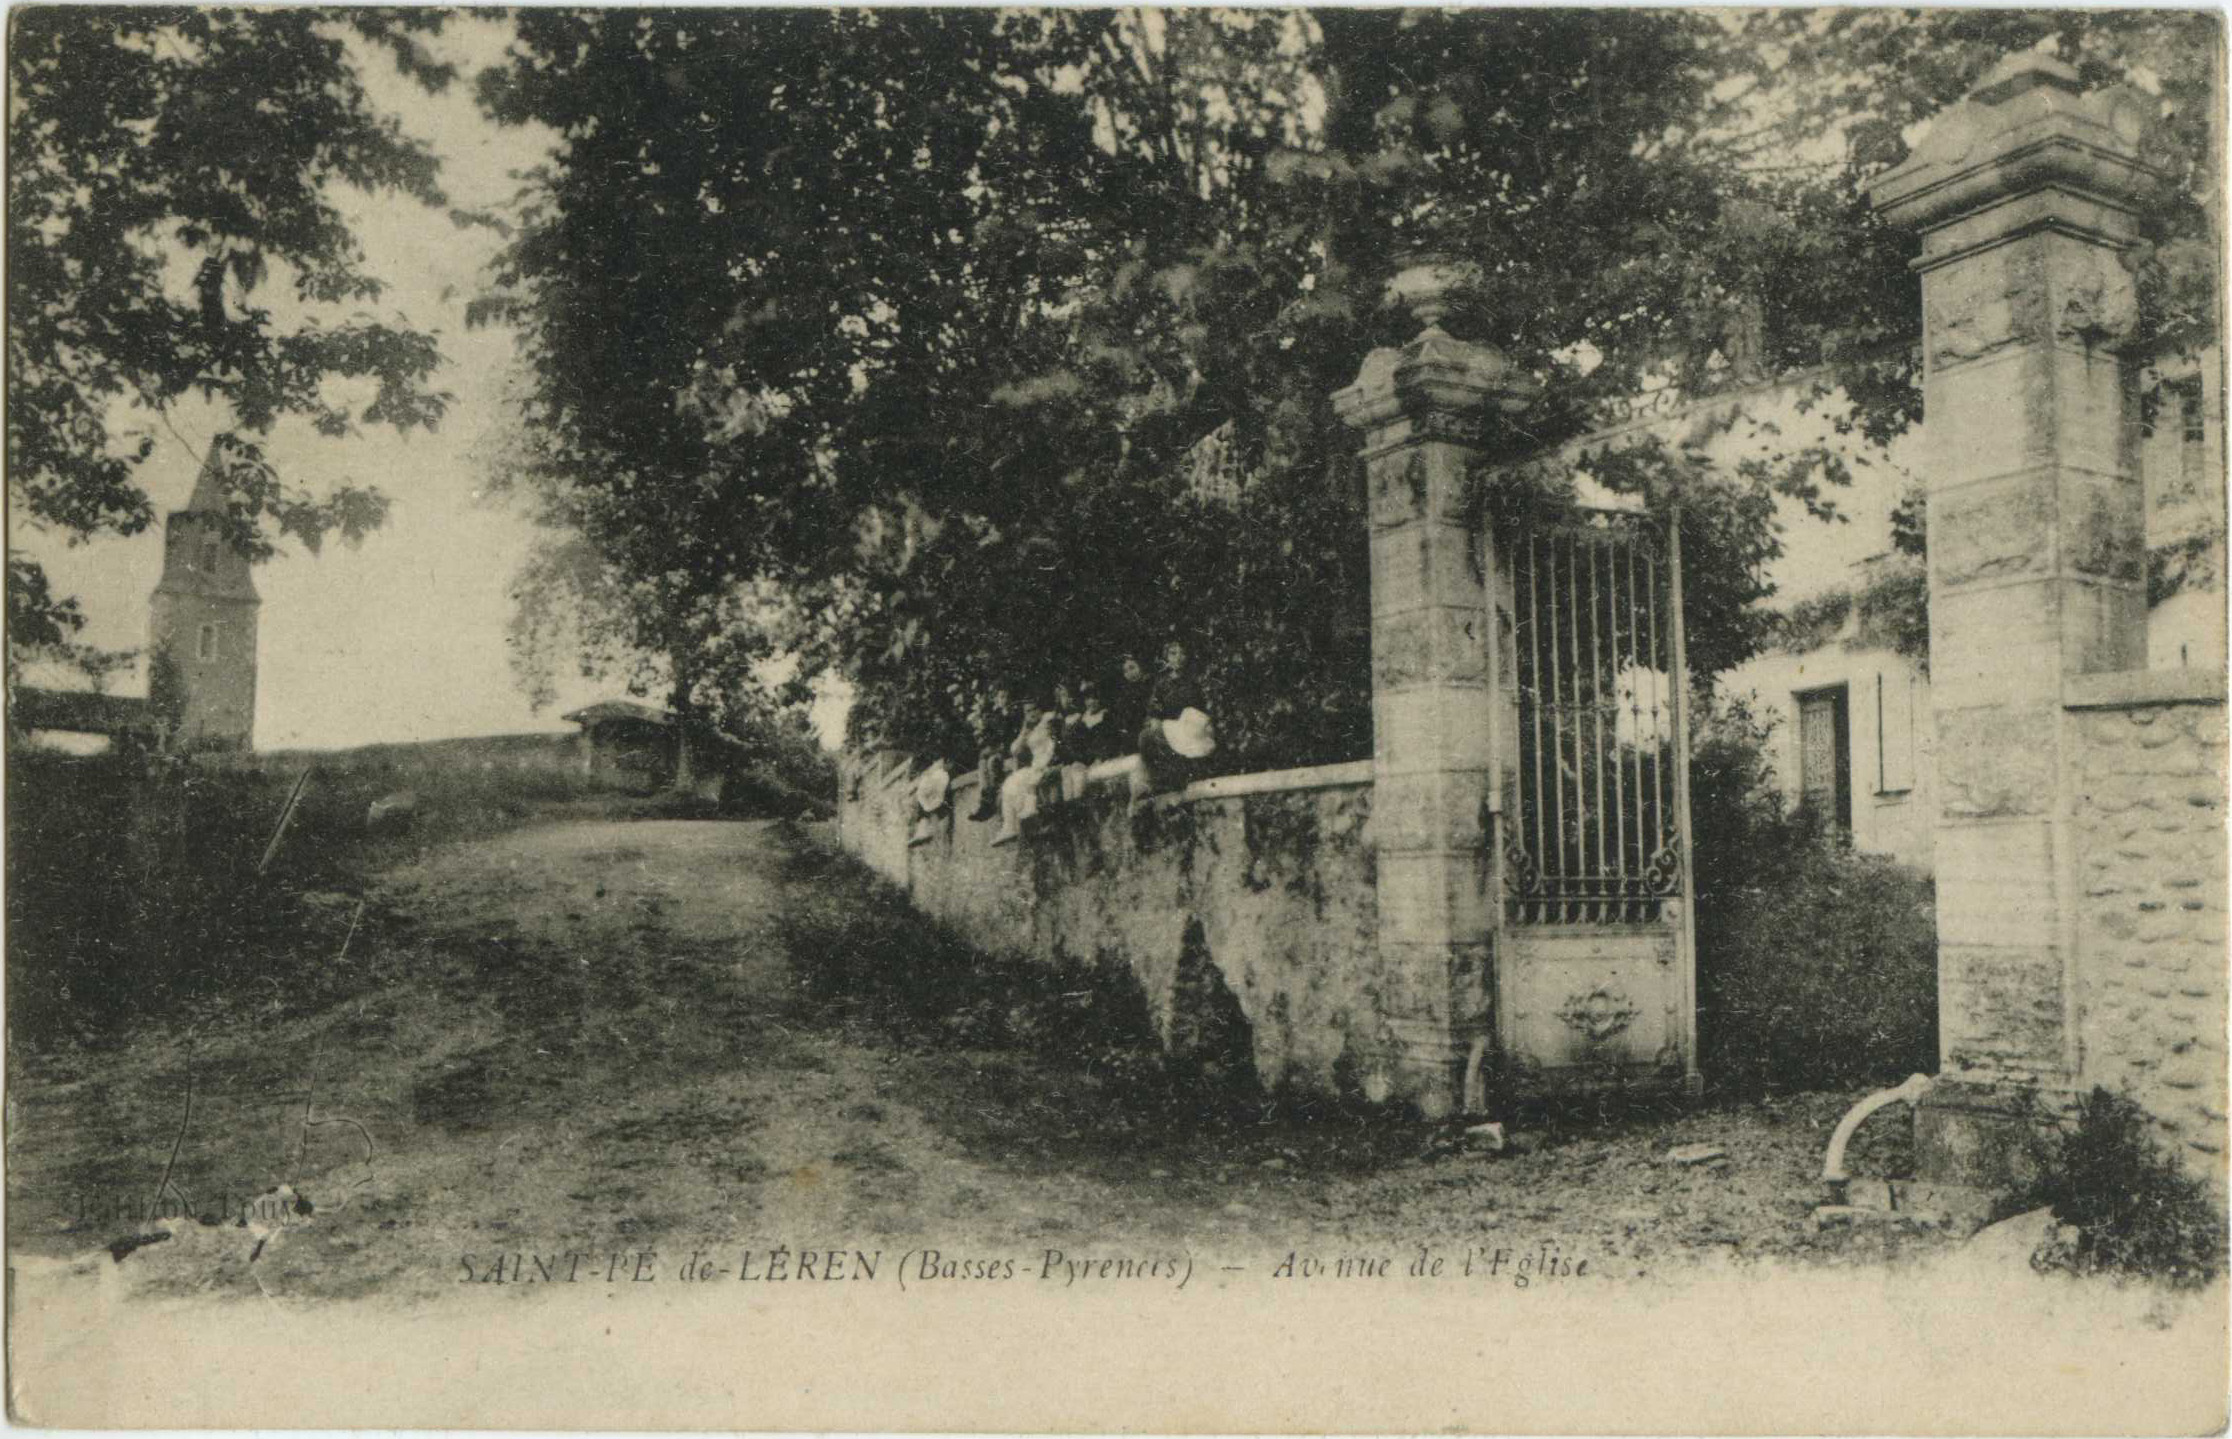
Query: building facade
(1847,689)
(202,628)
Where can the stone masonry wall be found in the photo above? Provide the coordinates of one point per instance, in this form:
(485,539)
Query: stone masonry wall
(2148,792)
(1267,896)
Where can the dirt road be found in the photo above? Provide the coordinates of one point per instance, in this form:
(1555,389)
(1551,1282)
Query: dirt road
(591,1037)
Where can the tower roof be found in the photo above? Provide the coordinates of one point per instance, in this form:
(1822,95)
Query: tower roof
(209,486)
(207,565)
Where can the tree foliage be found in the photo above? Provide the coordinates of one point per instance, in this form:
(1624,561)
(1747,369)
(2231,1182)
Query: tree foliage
(638,597)
(166,167)
(938,300)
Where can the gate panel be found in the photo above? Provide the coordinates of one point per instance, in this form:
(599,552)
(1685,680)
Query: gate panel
(1595,980)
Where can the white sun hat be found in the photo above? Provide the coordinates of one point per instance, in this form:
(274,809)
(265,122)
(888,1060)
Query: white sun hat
(930,787)
(1191,735)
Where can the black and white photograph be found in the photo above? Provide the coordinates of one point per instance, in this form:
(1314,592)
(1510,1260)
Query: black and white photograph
(1501,719)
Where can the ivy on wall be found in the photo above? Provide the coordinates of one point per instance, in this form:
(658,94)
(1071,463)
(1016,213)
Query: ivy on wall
(1892,609)
(1895,614)
(1811,623)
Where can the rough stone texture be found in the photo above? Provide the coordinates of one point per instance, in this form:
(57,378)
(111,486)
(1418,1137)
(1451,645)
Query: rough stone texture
(1275,890)
(874,810)
(1981,1134)
(207,589)
(2149,787)
(2001,1011)
(1995,889)
(1992,530)
(1419,409)
(2024,196)
(1996,762)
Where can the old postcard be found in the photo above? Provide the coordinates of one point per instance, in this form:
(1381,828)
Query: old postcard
(1057,720)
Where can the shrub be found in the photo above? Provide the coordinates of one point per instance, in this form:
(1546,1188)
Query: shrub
(1817,967)
(2135,1208)
(132,887)
(132,884)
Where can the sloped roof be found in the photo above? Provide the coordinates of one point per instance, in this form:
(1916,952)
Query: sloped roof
(232,576)
(605,711)
(209,487)
(630,712)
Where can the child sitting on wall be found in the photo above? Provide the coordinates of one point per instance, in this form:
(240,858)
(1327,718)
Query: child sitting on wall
(1178,733)
(1034,753)
(931,787)
(1089,735)
(987,718)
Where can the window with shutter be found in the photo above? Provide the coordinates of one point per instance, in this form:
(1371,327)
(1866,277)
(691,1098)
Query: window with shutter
(1894,733)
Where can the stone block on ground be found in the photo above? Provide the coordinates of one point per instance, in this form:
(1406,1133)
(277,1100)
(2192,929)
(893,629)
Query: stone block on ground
(2010,1243)
(1691,1155)
(1485,1138)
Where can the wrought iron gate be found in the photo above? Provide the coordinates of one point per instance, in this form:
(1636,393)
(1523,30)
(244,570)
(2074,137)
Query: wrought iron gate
(1597,835)
(1596,980)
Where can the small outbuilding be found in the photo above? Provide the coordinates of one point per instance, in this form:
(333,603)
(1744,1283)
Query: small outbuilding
(638,747)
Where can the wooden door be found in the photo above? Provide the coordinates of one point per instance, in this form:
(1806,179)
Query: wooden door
(1825,756)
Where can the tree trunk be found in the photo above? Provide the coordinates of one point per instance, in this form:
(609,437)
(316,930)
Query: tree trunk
(685,718)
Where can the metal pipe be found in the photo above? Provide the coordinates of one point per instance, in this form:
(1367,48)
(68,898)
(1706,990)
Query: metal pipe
(1473,1092)
(1834,1180)
(1692,1078)
(286,817)
(1596,702)
(1534,677)
(1556,704)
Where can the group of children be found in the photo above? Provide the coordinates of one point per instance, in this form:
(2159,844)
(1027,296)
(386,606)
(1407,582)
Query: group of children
(1164,719)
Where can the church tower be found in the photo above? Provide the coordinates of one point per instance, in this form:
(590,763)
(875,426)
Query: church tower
(202,626)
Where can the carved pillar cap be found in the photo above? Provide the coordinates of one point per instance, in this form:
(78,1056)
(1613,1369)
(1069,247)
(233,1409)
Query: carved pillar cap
(1436,376)
(2027,130)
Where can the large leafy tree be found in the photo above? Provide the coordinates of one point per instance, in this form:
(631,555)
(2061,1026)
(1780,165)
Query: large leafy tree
(757,283)
(1848,86)
(950,294)
(167,169)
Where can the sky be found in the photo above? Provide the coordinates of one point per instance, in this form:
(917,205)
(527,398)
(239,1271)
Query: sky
(401,638)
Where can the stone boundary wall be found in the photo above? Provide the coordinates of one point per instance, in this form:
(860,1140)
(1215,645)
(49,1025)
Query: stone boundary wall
(1252,894)
(2148,793)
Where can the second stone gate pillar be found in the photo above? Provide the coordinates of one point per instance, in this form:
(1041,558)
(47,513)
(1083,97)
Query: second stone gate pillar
(2025,196)
(1420,408)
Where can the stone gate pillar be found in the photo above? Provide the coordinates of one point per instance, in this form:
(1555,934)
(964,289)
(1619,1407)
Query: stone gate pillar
(1420,408)
(2024,197)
